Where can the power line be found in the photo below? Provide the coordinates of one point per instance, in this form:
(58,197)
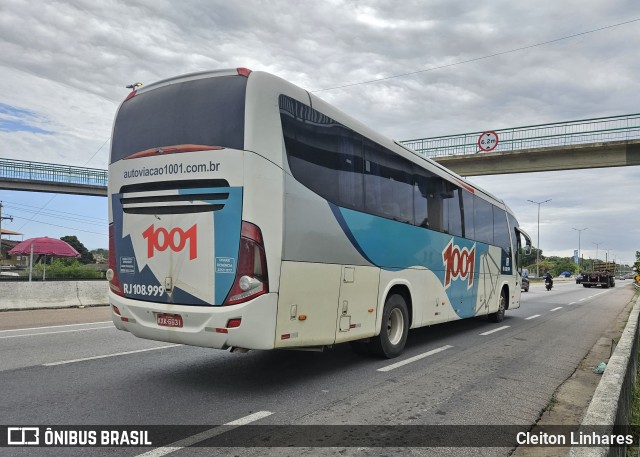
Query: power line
(103,223)
(38,212)
(19,206)
(510,51)
(63,226)
(95,153)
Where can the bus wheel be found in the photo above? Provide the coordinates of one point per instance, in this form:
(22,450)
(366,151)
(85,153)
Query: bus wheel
(498,316)
(394,329)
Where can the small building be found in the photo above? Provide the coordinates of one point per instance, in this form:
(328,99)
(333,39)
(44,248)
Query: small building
(6,244)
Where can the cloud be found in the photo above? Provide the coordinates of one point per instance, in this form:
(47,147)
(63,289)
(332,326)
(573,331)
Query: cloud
(13,119)
(66,63)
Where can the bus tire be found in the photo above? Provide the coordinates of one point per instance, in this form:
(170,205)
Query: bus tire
(393,330)
(498,316)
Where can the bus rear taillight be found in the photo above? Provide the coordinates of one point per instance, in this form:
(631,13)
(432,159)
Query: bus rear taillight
(112,275)
(251,275)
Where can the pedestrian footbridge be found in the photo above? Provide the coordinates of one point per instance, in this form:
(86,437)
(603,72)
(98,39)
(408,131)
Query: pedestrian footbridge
(588,143)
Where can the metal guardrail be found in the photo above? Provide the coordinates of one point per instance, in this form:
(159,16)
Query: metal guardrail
(603,129)
(52,173)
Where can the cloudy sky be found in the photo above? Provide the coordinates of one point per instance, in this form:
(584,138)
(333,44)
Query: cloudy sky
(65,65)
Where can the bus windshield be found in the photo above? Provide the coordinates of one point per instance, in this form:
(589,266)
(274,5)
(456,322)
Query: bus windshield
(207,111)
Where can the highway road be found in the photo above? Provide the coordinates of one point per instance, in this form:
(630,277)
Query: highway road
(466,372)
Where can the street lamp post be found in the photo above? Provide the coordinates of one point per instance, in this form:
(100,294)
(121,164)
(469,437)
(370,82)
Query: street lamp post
(538,250)
(597,246)
(579,233)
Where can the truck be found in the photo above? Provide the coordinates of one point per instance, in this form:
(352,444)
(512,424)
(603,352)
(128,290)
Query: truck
(602,274)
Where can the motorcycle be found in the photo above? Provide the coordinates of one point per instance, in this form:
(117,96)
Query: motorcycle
(548,283)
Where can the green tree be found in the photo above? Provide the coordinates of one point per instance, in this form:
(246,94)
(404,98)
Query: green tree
(100,255)
(85,256)
(530,259)
(562,264)
(546,266)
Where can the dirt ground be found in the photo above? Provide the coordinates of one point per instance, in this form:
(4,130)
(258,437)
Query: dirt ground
(10,320)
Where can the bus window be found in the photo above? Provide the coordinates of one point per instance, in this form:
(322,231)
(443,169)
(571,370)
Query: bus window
(483,219)
(182,113)
(452,209)
(468,214)
(501,229)
(349,173)
(321,150)
(388,184)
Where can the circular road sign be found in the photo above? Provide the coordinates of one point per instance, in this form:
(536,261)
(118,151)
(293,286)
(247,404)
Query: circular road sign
(488,141)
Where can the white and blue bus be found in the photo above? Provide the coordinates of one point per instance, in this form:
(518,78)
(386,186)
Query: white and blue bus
(247,213)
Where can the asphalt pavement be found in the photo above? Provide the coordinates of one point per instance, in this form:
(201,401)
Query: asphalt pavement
(460,373)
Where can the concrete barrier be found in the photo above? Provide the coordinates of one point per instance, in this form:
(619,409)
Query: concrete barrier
(611,403)
(52,294)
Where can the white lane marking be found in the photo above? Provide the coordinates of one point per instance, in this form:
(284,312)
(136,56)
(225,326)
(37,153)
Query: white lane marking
(207,434)
(51,364)
(572,303)
(583,299)
(250,418)
(53,326)
(532,317)
(495,330)
(555,309)
(60,331)
(414,359)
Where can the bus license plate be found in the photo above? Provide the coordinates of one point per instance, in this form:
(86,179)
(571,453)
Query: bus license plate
(169,320)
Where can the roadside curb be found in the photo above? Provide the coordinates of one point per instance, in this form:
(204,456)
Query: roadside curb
(611,403)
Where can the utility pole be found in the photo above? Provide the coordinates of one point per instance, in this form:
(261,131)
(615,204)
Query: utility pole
(579,233)
(538,247)
(1,218)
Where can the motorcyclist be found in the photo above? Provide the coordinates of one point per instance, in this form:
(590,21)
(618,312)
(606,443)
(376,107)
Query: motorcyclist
(548,279)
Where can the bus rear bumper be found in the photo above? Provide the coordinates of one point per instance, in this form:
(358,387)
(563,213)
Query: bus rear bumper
(204,326)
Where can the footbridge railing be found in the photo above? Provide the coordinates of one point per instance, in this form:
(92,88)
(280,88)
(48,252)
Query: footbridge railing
(598,130)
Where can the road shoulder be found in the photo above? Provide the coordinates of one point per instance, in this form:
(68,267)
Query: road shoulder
(570,401)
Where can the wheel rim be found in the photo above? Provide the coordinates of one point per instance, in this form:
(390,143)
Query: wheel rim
(395,326)
(501,305)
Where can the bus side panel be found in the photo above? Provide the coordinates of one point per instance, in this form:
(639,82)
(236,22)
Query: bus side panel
(263,206)
(488,279)
(358,303)
(264,184)
(321,269)
(456,262)
(307,304)
(311,231)
(493,280)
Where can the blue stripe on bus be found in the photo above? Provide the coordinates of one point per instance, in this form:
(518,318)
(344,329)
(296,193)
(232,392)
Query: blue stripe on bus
(393,246)
(347,230)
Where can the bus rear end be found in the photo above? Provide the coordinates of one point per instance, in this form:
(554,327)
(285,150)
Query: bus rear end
(184,267)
